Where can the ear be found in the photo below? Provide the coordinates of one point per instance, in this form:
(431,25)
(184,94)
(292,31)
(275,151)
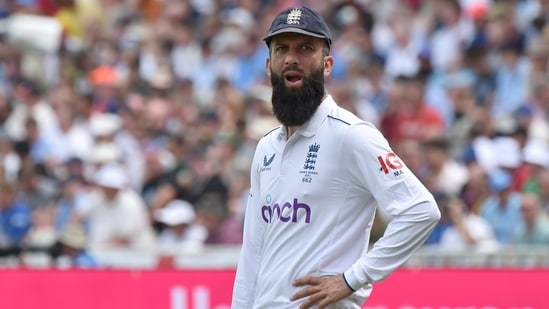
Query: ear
(268,66)
(328,65)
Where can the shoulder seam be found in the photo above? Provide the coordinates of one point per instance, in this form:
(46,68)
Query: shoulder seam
(271,131)
(345,122)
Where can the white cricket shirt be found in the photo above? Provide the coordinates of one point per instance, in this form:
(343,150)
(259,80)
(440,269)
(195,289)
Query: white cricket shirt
(311,206)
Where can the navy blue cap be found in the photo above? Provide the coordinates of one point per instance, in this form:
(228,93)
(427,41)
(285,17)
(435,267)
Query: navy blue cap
(299,20)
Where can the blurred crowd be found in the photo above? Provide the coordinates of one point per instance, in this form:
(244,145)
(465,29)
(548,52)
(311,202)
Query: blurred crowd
(131,124)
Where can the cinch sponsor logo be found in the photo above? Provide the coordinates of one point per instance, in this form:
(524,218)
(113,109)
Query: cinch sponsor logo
(275,212)
(390,161)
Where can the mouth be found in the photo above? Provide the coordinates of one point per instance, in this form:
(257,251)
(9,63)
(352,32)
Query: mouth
(293,79)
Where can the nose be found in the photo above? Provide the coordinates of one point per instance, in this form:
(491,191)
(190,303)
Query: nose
(291,58)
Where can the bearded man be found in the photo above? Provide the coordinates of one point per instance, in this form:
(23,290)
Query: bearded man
(316,182)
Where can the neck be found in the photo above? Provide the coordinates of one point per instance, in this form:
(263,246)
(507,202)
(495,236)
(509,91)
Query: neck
(291,130)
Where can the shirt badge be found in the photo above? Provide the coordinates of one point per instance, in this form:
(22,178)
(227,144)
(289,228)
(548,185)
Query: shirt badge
(310,163)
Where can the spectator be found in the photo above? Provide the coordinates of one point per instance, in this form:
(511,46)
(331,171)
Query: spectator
(41,152)
(158,171)
(536,158)
(186,55)
(5,108)
(73,194)
(42,232)
(534,226)
(459,89)
(108,129)
(200,179)
(105,82)
(181,233)
(213,214)
(103,153)
(15,217)
(444,174)
(70,250)
(68,138)
(29,103)
(501,208)
(36,187)
(538,60)
(9,159)
(411,152)
(478,11)
(403,56)
(451,32)
(511,82)
(477,188)
(479,62)
(116,214)
(543,182)
(468,232)
(509,155)
(413,118)
(538,109)
(372,89)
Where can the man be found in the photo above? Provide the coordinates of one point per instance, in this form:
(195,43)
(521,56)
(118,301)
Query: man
(116,214)
(412,118)
(467,231)
(180,232)
(315,184)
(70,249)
(534,226)
(15,219)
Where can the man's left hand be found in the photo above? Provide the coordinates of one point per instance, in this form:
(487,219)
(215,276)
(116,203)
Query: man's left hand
(321,290)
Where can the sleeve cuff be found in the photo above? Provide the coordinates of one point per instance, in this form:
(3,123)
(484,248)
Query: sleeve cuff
(352,281)
(347,283)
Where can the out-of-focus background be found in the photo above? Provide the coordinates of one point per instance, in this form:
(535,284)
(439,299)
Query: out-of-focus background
(127,127)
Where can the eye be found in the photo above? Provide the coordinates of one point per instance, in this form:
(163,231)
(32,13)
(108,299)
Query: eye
(306,47)
(279,49)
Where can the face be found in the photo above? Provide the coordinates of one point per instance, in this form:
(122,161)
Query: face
(297,67)
(413,92)
(7,195)
(543,180)
(179,229)
(530,209)
(110,193)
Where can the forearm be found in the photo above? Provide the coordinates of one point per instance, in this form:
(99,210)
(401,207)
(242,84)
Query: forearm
(464,231)
(245,281)
(403,236)
(250,258)
(247,269)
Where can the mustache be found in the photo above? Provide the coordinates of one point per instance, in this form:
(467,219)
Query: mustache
(293,68)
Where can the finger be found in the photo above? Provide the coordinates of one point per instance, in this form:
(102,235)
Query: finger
(309,302)
(304,293)
(324,303)
(306,281)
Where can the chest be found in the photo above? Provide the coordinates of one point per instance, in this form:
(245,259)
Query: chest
(304,170)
